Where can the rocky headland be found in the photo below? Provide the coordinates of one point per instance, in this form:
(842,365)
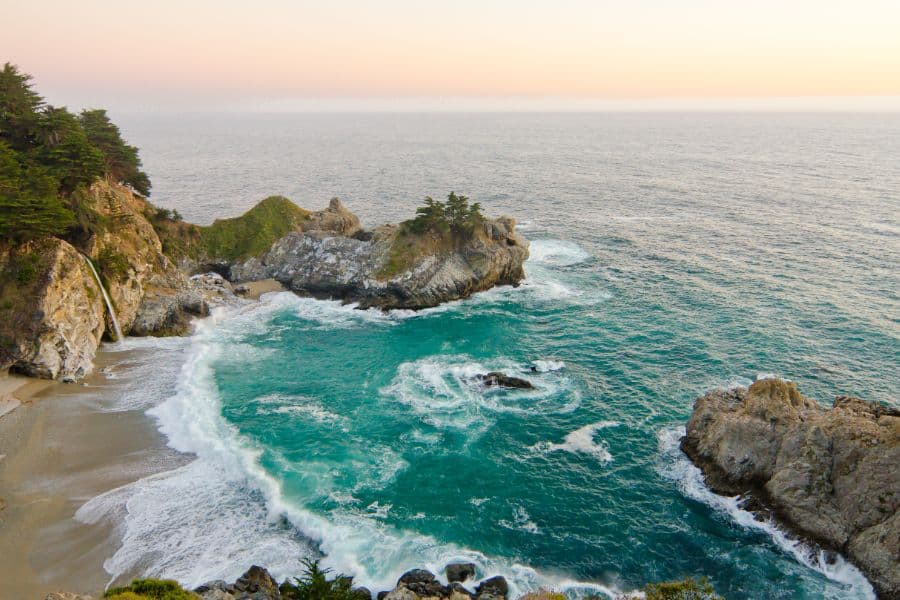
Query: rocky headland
(159,271)
(831,475)
(331,256)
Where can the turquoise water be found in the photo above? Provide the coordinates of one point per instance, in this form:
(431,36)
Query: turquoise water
(670,254)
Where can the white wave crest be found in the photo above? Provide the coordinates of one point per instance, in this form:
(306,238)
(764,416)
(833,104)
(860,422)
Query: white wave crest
(581,441)
(545,366)
(445,391)
(677,467)
(556,253)
(193,523)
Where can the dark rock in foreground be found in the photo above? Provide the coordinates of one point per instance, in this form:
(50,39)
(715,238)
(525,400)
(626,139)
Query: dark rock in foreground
(498,379)
(459,572)
(829,475)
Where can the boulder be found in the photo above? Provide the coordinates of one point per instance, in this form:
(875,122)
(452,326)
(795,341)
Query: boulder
(829,475)
(256,584)
(416,576)
(66,596)
(215,590)
(335,219)
(494,587)
(363,593)
(460,571)
(498,379)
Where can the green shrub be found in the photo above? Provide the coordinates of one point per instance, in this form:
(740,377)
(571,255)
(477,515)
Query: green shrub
(686,589)
(112,265)
(315,585)
(27,267)
(151,589)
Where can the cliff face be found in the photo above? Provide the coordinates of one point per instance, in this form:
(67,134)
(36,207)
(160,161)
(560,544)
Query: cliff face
(150,294)
(832,475)
(51,311)
(52,314)
(388,267)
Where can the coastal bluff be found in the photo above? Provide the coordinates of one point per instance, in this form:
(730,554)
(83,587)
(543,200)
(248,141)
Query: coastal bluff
(151,265)
(831,475)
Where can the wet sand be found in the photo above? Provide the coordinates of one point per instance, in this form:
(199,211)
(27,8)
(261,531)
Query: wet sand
(255,289)
(62,447)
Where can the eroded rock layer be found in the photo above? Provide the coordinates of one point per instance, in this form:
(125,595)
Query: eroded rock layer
(832,475)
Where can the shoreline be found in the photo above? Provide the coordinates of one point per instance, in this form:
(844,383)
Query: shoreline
(63,446)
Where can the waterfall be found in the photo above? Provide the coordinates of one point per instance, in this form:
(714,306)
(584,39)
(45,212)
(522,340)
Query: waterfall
(112,313)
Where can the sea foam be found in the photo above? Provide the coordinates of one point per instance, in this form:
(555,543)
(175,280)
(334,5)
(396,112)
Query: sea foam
(214,516)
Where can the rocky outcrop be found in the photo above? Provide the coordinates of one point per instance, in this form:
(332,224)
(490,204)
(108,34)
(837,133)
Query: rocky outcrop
(828,474)
(498,379)
(150,294)
(417,584)
(335,219)
(52,312)
(389,267)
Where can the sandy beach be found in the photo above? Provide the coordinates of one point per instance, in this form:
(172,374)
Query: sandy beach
(61,447)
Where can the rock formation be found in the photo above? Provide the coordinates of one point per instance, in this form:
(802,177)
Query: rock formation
(498,379)
(51,316)
(52,311)
(832,475)
(389,267)
(151,295)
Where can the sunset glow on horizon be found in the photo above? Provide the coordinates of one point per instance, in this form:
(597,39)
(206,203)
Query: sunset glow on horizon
(574,49)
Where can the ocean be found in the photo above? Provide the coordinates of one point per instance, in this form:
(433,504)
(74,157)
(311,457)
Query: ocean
(670,254)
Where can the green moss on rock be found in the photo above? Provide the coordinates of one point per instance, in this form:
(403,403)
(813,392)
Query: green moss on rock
(254,232)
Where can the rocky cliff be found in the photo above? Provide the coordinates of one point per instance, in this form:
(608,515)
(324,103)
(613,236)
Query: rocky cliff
(52,314)
(51,310)
(832,475)
(389,267)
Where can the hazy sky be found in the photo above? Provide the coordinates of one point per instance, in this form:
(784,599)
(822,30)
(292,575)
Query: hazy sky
(284,54)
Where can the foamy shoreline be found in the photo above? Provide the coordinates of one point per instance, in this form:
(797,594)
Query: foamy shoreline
(62,446)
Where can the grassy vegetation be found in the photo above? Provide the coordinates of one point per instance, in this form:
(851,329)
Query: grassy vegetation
(253,232)
(151,589)
(686,589)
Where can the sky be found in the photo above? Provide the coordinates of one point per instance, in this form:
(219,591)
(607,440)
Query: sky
(458,54)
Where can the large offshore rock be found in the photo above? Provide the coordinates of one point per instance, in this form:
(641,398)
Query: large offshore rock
(390,267)
(832,475)
(51,311)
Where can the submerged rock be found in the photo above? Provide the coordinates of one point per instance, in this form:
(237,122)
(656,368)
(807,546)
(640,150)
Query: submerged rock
(389,267)
(496,378)
(828,474)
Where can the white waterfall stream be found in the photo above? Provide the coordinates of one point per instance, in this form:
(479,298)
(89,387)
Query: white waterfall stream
(109,307)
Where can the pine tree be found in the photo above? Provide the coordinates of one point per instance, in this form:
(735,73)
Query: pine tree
(121,160)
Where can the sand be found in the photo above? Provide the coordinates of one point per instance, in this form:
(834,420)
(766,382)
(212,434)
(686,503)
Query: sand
(255,289)
(61,449)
